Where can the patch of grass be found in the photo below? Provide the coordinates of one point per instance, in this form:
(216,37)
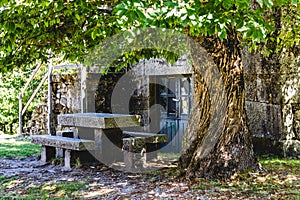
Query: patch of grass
(55,190)
(281,181)
(2,178)
(2,181)
(17,148)
(280,164)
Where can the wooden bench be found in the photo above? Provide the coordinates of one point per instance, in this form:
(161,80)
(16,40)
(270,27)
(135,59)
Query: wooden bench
(69,145)
(140,147)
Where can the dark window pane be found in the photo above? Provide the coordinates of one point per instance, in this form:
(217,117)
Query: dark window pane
(171,105)
(163,102)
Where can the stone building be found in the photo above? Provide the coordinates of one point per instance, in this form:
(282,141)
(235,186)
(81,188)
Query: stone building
(159,92)
(163,93)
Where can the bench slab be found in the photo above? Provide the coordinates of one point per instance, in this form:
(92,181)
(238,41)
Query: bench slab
(140,147)
(148,137)
(64,142)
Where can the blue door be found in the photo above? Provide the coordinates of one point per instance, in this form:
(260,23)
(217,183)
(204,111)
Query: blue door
(175,95)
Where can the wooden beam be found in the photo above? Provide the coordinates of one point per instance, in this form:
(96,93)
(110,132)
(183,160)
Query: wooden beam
(49,124)
(30,78)
(67,67)
(34,93)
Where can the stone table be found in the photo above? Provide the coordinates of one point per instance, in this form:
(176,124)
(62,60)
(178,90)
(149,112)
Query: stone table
(104,129)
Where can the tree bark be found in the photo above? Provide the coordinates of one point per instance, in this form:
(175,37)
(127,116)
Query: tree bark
(232,151)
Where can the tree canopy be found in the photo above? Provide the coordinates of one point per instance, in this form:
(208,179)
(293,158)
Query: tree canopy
(29,29)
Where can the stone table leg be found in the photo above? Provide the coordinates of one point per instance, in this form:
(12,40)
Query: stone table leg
(86,157)
(108,145)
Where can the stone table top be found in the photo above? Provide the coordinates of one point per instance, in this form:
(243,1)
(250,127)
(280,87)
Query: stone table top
(99,120)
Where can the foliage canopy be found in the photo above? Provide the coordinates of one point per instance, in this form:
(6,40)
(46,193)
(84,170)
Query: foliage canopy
(29,29)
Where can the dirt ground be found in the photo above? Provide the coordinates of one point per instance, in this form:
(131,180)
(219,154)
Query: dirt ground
(103,183)
(28,177)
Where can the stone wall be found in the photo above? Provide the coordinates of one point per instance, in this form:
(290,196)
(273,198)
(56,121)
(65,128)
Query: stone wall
(65,99)
(290,79)
(130,88)
(263,101)
(272,102)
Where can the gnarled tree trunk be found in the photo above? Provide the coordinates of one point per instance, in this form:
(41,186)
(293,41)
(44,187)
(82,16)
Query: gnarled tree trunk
(230,148)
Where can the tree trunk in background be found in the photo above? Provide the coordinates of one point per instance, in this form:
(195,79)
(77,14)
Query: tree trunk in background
(11,128)
(233,150)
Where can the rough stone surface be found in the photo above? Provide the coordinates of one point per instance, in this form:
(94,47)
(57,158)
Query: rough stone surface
(65,99)
(140,147)
(64,142)
(47,153)
(98,120)
(291,148)
(134,151)
(264,88)
(264,120)
(148,137)
(104,90)
(267,146)
(296,120)
(272,93)
(290,79)
(108,145)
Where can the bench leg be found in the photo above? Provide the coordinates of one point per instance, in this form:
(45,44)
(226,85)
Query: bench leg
(47,153)
(67,133)
(71,157)
(134,151)
(59,153)
(68,158)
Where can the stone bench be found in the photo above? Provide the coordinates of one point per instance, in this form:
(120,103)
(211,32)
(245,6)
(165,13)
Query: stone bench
(140,147)
(69,145)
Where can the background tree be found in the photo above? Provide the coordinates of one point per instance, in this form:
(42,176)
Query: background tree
(72,28)
(11,84)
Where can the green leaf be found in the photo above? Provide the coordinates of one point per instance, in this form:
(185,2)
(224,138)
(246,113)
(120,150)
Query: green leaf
(249,33)
(93,35)
(9,46)
(183,17)
(170,4)
(10,26)
(140,14)
(243,29)
(257,35)
(261,3)
(269,3)
(77,16)
(294,2)
(120,6)
(222,34)
(60,6)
